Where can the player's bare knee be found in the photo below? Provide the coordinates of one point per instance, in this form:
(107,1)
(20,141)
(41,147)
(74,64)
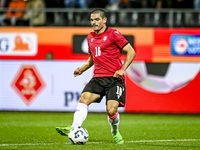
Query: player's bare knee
(83,99)
(112,107)
(112,111)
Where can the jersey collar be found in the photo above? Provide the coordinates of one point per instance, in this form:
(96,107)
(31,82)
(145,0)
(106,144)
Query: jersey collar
(106,29)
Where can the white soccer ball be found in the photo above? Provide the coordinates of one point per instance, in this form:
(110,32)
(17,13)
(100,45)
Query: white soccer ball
(78,135)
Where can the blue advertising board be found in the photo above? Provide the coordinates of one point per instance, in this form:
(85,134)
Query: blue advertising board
(187,45)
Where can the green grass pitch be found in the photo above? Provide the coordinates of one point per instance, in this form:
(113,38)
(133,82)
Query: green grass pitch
(36,131)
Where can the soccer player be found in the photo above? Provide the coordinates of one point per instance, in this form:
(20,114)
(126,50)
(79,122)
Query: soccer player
(105,46)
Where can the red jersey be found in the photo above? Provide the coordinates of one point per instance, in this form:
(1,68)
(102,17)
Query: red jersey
(106,51)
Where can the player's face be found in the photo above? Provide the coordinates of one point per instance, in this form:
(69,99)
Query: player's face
(97,22)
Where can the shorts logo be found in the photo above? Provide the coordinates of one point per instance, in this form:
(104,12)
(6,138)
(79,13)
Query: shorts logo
(28,83)
(119,91)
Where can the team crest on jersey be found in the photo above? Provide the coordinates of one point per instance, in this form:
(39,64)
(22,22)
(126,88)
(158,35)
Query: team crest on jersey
(117,32)
(92,39)
(105,38)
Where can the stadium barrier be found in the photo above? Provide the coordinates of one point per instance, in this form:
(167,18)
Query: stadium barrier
(169,18)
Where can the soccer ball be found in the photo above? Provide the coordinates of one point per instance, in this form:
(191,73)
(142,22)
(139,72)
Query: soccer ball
(78,135)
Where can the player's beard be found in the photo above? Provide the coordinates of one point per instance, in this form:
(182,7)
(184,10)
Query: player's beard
(97,28)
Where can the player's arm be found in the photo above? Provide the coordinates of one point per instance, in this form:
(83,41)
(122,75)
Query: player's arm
(87,65)
(130,55)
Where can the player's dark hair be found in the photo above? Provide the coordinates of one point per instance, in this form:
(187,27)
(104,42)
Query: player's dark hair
(99,11)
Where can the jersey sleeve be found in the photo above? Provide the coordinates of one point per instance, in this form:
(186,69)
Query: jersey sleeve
(119,39)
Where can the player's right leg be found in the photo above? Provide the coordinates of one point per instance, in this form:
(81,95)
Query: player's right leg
(81,112)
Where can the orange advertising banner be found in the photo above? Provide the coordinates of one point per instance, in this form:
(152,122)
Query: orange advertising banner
(58,40)
(151,44)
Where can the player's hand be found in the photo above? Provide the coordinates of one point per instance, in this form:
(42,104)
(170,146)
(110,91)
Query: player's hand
(77,72)
(119,73)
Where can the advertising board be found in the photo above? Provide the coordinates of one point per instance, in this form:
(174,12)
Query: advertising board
(43,86)
(164,77)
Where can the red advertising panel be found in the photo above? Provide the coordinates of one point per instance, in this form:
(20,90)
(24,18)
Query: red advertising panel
(185,100)
(174,92)
(162,44)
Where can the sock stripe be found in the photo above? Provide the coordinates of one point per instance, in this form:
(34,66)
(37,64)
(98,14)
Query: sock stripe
(113,117)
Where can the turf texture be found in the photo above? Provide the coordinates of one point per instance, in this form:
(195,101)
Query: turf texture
(36,131)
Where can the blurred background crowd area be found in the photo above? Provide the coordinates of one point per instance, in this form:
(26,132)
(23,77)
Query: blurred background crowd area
(144,13)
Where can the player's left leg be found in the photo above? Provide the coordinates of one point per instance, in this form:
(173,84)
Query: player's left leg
(113,115)
(114,119)
(115,96)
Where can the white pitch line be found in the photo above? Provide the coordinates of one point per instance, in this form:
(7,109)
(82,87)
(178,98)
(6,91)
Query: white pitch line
(29,144)
(139,141)
(151,141)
